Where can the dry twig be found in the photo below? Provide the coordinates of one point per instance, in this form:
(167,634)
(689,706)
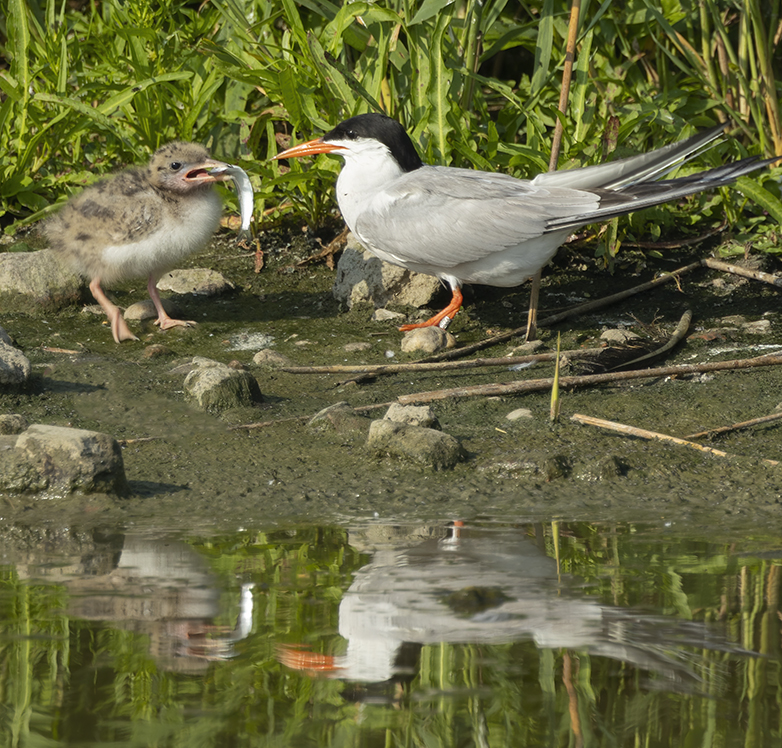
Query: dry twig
(759,275)
(423,366)
(736,426)
(535,385)
(652,435)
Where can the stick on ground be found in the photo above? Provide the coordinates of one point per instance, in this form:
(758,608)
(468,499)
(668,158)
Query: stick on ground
(535,385)
(622,428)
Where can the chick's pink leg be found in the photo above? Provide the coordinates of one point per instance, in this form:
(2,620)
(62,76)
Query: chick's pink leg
(119,328)
(163,319)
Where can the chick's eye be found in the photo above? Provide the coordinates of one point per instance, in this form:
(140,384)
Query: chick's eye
(175,166)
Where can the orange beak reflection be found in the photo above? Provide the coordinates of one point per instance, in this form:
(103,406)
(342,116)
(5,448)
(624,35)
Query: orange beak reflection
(310,148)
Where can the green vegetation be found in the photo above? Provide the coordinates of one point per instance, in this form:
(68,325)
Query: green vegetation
(88,87)
(84,660)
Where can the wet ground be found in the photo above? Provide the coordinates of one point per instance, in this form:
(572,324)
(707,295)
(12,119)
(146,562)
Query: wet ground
(190,470)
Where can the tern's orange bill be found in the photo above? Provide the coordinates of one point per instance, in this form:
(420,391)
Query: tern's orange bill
(310,148)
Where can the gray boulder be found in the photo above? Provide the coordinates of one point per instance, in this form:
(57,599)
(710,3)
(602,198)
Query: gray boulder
(57,461)
(216,387)
(37,282)
(14,366)
(415,415)
(364,278)
(428,447)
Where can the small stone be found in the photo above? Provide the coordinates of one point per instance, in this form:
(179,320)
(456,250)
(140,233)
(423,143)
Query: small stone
(272,359)
(37,282)
(427,340)
(759,327)
(196,281)
(383,315)
(157,351)
(14,366)
(59,460)
(13,423)
(525,349)
(619,336)
(215,387)
(357,347)
(428,447)
(515,415)
(250,341)
(362,277)
(146,309)
(415,415)
(341,418)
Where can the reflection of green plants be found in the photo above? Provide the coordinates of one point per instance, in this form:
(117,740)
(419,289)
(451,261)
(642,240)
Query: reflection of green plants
(63,677)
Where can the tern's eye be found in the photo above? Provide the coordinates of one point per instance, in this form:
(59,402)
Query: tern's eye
(175,165)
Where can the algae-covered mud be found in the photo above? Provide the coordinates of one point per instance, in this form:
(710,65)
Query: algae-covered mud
(191,469)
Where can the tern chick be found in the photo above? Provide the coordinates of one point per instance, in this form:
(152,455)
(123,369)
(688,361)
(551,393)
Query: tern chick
(141,222)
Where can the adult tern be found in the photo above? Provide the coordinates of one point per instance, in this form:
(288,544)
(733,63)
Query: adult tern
(469,226)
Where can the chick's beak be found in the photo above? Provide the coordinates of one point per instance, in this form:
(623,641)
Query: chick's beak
(310,148)
(207,171)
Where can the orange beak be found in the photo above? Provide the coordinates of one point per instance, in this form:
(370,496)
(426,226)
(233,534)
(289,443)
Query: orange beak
(310,148)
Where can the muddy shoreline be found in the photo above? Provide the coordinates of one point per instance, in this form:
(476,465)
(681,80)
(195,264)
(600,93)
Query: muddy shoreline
(191,471)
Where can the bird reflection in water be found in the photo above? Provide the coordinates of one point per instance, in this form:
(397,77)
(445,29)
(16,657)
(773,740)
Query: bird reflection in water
(487,586)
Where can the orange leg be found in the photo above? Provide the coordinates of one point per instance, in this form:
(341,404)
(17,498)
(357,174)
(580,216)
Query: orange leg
(119,328)
(443,319)
(163,320)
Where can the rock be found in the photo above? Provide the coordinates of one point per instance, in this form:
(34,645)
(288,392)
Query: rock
(156,350)
(527,348)
(356,347)
(362,277)
(12,424)
(415,415)
(216,387)
(341,418)
(197,281)
(146,309)
(759,327)
(424,446)
(427,340)
(55,461)
(37,282)
(272,359)
(514,415)
(618,336)
(250,341)
(384,315)
(5,337)
(14,366)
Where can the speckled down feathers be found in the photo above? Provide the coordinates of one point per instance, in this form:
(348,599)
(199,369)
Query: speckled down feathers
(142,221)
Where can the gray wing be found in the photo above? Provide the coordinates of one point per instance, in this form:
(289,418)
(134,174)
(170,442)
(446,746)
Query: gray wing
(446,216)
(642,168)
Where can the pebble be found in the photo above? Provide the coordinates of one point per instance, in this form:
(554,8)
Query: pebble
(427,447)
(383,315)
(415,415)
(196,281)
(273,359)
(357,347)
(515,415)
(427,340)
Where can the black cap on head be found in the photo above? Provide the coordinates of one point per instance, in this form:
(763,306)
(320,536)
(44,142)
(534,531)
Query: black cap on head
(383,129)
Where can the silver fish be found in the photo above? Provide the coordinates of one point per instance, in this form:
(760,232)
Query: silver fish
(244,191)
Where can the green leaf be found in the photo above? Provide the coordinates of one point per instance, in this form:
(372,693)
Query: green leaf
(429,9)
(758,194)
